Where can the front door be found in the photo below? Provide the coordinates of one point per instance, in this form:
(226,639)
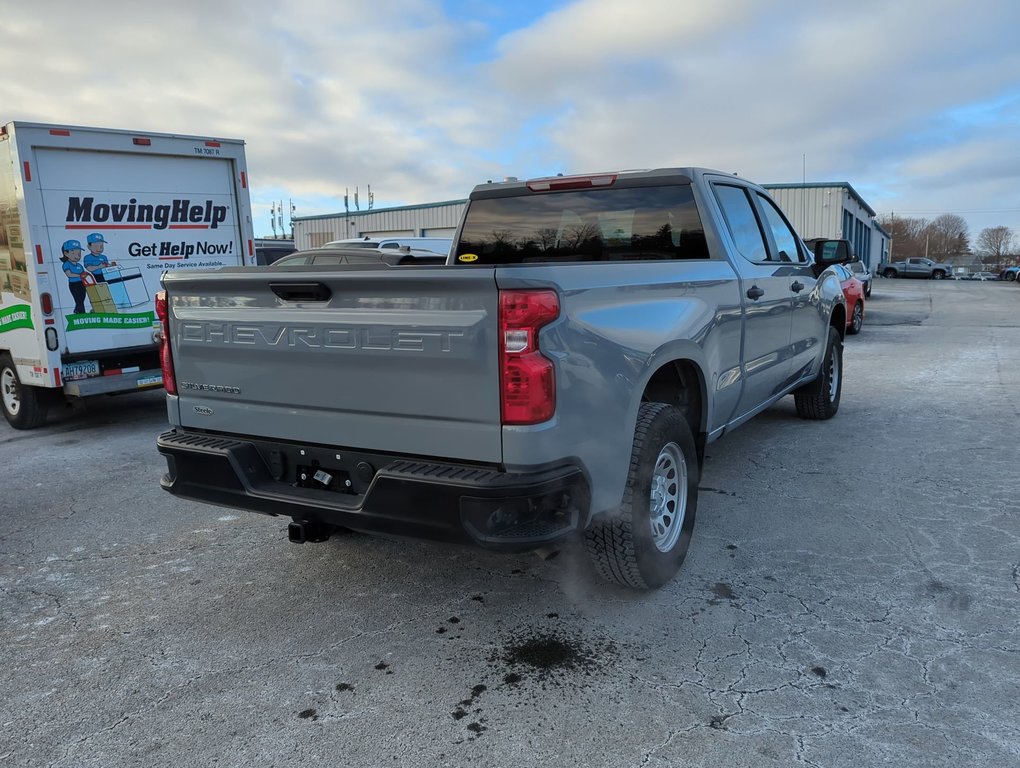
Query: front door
(766,297)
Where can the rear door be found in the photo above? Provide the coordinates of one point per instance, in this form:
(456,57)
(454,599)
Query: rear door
(145,214)
(395,360)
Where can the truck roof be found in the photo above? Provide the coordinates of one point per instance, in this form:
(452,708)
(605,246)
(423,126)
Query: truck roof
(22,125)
(595,180)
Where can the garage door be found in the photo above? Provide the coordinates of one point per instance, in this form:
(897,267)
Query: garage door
(439,232)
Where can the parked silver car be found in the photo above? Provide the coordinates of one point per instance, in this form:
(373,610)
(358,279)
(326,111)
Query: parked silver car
(861,272)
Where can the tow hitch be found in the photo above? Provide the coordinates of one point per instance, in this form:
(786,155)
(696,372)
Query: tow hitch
(306,531)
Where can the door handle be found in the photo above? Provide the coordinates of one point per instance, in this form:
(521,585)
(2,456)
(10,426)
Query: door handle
(797,287)
(754,293)
(301,291)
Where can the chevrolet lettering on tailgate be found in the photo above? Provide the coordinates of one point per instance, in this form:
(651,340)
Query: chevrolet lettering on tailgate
(320,337)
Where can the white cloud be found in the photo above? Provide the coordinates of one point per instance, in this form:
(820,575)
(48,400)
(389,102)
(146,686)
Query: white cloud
(397,93)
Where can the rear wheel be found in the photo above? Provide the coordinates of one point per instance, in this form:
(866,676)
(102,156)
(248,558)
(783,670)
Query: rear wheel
(856,319)
(643,543)
(819,400)
(889,273)
(938,274)
(867,290)
(24,407)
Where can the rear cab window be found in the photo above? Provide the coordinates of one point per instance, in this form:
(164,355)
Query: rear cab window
(652,223)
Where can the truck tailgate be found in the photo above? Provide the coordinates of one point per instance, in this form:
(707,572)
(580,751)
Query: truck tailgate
(391,359)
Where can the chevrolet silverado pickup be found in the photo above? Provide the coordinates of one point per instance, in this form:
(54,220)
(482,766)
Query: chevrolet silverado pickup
(916,267)
(558,377)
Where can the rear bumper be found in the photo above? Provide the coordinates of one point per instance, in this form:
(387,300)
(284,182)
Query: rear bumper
(376,493)
(134,381)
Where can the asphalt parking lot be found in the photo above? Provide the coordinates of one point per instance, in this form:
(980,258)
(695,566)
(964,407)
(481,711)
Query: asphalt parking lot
(852,598)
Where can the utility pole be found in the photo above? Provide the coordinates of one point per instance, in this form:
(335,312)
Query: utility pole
(892,233)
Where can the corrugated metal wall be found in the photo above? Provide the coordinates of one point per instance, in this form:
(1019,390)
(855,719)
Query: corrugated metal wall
(818,212)
(413,220)
(813,211)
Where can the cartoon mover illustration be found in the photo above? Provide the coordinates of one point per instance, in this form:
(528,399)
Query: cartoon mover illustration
(108,288)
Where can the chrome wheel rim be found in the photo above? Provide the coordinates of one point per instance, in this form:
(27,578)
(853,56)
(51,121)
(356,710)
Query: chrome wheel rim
(834,374)
(858,317)
(668,501)
(9,389)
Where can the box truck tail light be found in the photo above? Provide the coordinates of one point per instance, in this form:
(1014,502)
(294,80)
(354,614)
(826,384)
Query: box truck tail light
(556,183)
(212,143)
(139,142)
(59,132)
(527,377)
(28,172)
(244,180)
(38,254)
(166,360)
(46,302)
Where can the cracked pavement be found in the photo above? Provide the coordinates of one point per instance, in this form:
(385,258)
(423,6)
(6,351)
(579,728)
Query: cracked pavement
(851,597)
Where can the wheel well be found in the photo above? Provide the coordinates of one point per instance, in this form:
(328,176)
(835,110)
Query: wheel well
(679,383)
(838,320)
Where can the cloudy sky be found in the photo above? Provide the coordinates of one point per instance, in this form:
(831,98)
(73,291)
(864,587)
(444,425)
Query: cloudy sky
(916,103)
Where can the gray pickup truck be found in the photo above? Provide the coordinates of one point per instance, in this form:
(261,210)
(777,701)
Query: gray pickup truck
(558,377)
(916,267)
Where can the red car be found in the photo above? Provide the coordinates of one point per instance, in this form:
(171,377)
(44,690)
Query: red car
(853,292)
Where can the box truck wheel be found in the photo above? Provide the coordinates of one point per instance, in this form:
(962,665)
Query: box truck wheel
(24,407)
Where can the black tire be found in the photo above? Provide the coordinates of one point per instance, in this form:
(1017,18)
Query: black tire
(819,400)
(624,546)
(856,319)
(867,290)
(23,407)
(889,273)
(938,274)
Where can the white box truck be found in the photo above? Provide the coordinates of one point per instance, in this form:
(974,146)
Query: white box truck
(90,219)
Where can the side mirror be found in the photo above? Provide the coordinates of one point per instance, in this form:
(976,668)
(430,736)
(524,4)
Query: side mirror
(829,252)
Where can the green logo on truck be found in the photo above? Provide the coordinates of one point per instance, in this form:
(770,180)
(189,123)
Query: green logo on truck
(108,320)
(19,316)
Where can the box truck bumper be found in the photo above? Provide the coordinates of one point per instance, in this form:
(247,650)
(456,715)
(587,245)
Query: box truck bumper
(114,383)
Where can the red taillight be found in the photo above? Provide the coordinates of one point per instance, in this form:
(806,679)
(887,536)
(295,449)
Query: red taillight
(59,132)
(527,377)
(46,302)
(138,142)
(166,360)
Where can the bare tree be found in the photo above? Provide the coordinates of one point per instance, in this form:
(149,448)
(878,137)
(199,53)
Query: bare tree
(908,235)
(996,245)
(947,237)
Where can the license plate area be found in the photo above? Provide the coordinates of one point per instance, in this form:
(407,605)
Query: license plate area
(323,478)
(80,369)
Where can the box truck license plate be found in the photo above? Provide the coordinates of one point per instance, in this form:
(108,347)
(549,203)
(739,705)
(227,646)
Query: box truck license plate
(82,369)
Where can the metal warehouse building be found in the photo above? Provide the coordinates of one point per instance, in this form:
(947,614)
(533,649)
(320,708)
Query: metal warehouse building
(426,220)
(824,209)
(834,210)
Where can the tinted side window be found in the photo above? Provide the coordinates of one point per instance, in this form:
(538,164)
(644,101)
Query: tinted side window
(327,258)
(742,222)
(786,240)
(615,224)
